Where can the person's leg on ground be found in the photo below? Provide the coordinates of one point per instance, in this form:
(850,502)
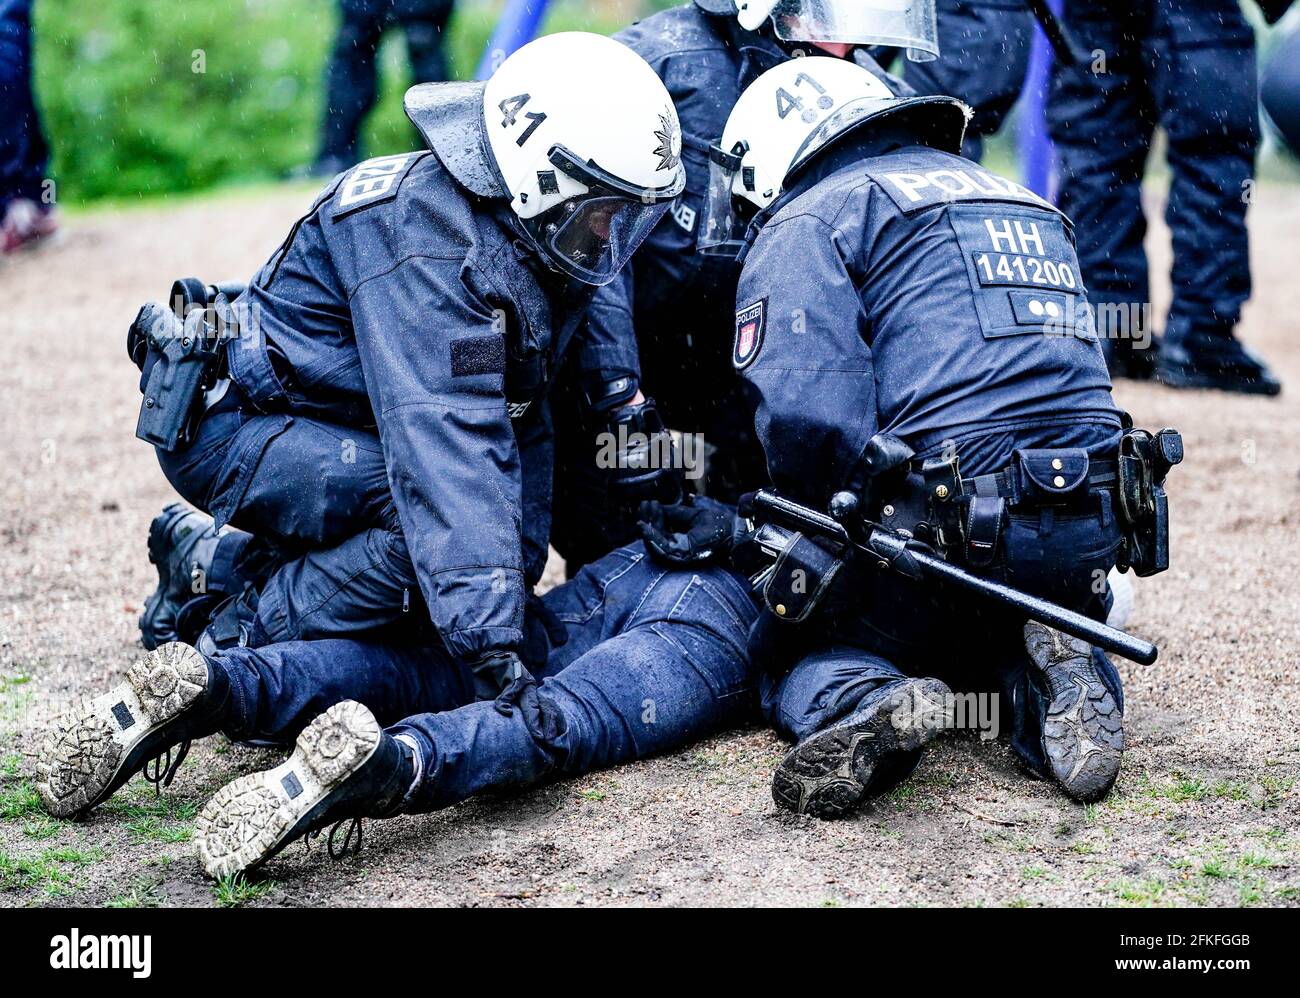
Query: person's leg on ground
(654,660)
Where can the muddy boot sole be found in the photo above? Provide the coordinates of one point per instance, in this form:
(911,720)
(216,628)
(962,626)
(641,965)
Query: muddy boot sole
(1083,730)
(82,758)
(827,774)
(251,819)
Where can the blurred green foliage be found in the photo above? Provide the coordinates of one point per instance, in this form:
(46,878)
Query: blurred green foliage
(145,97)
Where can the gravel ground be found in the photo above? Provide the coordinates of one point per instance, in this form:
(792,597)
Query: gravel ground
(1204,812)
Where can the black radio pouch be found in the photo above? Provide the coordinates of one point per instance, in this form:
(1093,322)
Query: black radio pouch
(1144,461)
(801,576)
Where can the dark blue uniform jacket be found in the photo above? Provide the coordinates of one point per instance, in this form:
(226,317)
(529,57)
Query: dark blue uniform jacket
(405,299)
(914,293)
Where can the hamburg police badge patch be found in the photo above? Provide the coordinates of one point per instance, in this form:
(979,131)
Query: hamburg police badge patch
(750,322)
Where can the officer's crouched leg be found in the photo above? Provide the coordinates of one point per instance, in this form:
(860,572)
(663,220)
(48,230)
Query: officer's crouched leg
(1080,711)
(365,582)
(832,771)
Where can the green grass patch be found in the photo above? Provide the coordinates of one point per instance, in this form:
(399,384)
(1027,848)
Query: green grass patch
(51,871)
(144,803)
(8,683)
(236,890)
(42,828)
(19,801)
(143,895)
(151,829)
(1148,893)
(149,97)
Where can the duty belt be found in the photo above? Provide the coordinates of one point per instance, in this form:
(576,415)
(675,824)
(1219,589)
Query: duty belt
(1005,484)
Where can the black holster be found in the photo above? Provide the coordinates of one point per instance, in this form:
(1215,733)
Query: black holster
(1144,461)
(178,362)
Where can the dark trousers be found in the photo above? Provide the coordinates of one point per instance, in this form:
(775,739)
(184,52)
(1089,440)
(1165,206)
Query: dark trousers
(316,494)
(1279,89)
(23,153)
(351,85)
(907,629)
(644,660)
(1188,66)
(983,58)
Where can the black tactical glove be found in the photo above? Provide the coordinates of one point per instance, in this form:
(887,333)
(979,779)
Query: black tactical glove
(640,456)
(499,674)
(690,532)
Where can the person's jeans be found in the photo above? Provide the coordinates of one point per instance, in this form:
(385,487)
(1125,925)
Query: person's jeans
(23,153)
(650,660)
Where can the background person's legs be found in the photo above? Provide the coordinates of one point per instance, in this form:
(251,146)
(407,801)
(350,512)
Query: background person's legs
(24,212)
(1102,116)
(425,25)
(1207,90)
(351,83)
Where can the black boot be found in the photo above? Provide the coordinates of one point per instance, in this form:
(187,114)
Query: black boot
(830,772)
(1215,361)
(181,543)
(1083,727)
(343,767)
(168,698)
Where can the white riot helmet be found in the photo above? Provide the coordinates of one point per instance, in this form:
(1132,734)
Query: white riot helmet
(907,24)
(790,114)
(587,142)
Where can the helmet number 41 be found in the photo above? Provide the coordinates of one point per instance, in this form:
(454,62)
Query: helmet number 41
(510,108)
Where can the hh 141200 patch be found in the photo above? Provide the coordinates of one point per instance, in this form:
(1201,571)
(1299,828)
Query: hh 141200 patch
(750,324)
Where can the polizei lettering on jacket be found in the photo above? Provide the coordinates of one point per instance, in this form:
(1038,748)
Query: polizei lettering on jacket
(915,191)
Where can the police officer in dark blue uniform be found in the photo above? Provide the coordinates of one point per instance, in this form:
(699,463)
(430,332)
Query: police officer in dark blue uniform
(983,57)
(915,330)
(351,84)
(1188,66)
(673,299)
(374,412)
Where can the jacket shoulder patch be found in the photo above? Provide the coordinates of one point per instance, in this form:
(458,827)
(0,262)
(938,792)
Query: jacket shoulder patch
(750,325)
(473,355)
(376,181)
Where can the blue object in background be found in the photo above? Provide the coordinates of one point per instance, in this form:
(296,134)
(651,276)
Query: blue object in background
(1037,157)
(519,23)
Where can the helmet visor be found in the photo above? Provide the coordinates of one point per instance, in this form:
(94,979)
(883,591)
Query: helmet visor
(722,228)
(595,239)
(907,24)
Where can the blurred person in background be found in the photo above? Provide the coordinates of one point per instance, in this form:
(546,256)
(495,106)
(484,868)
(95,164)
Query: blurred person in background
(1187,66)
(26,202)
(983,58)
(351,82)
(1279,86)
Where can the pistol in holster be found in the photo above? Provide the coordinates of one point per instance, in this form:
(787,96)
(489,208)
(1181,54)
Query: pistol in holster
(1144,461)
(180,352)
